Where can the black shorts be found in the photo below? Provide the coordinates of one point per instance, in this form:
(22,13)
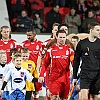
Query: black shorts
(90,80)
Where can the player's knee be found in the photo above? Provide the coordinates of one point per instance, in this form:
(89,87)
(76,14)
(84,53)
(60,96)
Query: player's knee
(84,98)
(55,97)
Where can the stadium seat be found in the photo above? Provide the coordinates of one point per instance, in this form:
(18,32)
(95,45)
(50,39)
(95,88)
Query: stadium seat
(13,24)
(46,9)
(98,18)
(63,11)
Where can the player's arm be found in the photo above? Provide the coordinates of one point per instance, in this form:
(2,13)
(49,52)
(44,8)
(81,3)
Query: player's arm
(45,64)
(6,78)
(30,77)
(76,62)
(6,69)
(39,60)
(41,56)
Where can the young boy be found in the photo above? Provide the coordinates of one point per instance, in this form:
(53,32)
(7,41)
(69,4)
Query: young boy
(3,59)
(7,67)
(18,76)
(30,66)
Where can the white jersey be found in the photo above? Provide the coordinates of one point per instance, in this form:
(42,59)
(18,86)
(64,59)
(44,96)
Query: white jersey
(7,67)
(18,78)
(1,74)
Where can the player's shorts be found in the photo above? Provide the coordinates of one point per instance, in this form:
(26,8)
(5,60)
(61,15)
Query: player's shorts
(90,80)
(38,86)
(61,89)
(17,95)
(5,95)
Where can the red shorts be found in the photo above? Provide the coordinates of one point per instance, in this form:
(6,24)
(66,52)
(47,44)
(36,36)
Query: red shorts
(47,79)
(58,88)
(38,86)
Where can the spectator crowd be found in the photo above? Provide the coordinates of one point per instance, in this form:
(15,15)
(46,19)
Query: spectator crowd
(66,64)
(79,15)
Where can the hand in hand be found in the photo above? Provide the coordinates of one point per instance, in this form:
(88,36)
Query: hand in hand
(74,82)
(41,79)
(22,25)
(18,25)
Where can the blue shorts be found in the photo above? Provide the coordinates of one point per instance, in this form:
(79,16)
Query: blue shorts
(17,95)
(5,95)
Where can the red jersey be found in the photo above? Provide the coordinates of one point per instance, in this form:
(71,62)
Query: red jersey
(7,46)
(46,44)
(34,48)
(59,57)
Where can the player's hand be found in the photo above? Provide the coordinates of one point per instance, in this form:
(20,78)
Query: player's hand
(22,25)
(18,25)
(74,82)
(48,92)
(1,92)
(41,79)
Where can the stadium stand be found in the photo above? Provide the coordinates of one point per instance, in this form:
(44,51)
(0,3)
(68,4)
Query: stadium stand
(63,11)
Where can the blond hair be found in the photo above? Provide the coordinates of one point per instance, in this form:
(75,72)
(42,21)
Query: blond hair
(3,28)
(16,56)
(1,53)
(55,24)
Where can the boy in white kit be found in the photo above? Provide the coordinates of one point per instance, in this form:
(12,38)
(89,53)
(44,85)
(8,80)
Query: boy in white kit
(5,95)
(3,59)
(18,77)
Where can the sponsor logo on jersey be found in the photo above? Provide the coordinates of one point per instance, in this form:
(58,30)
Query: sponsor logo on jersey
(67,52)
(22,74)
(18,80)
(11,45)
(27,45)
(29,65)
(37,47)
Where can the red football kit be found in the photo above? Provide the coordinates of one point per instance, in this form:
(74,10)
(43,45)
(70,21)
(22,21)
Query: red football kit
(34,48)
(59,57)
(7,46)
(46,44)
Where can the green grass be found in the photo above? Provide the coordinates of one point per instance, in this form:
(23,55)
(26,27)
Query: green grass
(41,98)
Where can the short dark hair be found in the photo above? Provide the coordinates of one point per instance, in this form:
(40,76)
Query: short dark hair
(60,31)
(25,11)
(55,5)
(75,37)
(92,25)
(91,10)
(31,30)
(24,50)
(14,50)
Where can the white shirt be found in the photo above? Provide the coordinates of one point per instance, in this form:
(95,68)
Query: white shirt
(18,78)
(1,74)
(7,67)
